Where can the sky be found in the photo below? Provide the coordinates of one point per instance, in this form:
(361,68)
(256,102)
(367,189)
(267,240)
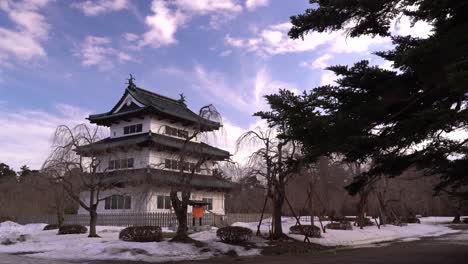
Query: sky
(63,60)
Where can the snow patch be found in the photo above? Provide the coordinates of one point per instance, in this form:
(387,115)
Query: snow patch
(361,237)
(47,244)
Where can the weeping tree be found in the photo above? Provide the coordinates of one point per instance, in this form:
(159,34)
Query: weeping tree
(75,173)
(192,158)
(276,161)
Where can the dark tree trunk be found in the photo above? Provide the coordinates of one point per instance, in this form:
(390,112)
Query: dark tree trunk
(93,221)
(457,218)
(276,225)
(60,218)
(180,208)
(361,207)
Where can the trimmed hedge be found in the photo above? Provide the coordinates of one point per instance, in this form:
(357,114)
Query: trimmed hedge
(411,220)
(72,229)
(141,234)
(50,227)
(309,230)
(343,225)
(342,218)
(234,234)
(367,222)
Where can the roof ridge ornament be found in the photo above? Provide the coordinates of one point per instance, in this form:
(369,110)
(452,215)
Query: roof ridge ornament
(182,98)
(130,82)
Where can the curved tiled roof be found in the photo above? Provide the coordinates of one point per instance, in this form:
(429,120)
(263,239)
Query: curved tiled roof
(156,104)
(152,139)
(167,178)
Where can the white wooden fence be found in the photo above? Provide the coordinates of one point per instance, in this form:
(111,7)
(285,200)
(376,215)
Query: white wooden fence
(143,219)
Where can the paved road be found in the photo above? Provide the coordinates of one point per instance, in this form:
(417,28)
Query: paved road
(446,249)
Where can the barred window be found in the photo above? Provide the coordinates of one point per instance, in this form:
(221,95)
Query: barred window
(163,202)
(116,202)
(133,129)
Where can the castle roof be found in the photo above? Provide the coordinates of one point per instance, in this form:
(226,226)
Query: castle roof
(152,103)
(167,178)
(159,141)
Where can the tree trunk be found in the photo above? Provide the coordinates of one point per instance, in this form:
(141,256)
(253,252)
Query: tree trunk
(93,221)
(60,218)
(457,218)
(361,209)
(180,208)
(277,228)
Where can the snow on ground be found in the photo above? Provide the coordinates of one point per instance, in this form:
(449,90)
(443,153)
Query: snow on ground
(47,244)
(31,240)
(361,237)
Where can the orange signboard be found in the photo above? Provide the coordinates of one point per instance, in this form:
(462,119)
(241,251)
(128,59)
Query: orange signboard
(197,212)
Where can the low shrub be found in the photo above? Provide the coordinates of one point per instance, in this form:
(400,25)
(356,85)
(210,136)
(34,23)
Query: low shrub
(7,242)
(465,220)
(141,234)
(234,234)
(50,227)
(411,220)
(342,218)
(307,230)
(403,220)
(343,225)
(367,222)
(72,229)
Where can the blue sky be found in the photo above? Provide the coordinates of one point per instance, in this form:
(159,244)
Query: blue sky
(62,60)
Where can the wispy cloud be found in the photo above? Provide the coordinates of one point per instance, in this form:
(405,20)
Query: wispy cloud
(99,7)
(274,39)
(167,17)
(97,51)
(254,4)
(245,95)
(25,40)
(319,63)
(26,135)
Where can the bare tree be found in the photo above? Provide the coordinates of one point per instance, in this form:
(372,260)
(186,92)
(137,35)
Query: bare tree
(75,172)
(276,161)
(192,159)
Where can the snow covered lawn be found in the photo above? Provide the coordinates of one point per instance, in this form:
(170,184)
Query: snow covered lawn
(366,236)
(47,244)
(32,241)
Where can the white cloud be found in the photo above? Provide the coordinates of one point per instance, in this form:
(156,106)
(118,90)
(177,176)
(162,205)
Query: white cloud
(274,39)
(31,30)
(97,51)
(163,24)
(225,53)
(402,26)
(167,17)
(254,4)
(130,37)
(26,135)
(98,7)
(328,78)
(245,95)
(319,63)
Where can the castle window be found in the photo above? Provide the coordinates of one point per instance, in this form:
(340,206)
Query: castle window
(116,202)
(121,164)
(167,164)
(171,131)
(133,129)
(210,203)
(177,165)
(182,133)
(164,202)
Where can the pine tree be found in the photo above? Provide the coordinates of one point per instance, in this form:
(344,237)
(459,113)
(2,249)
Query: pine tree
(416,116)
